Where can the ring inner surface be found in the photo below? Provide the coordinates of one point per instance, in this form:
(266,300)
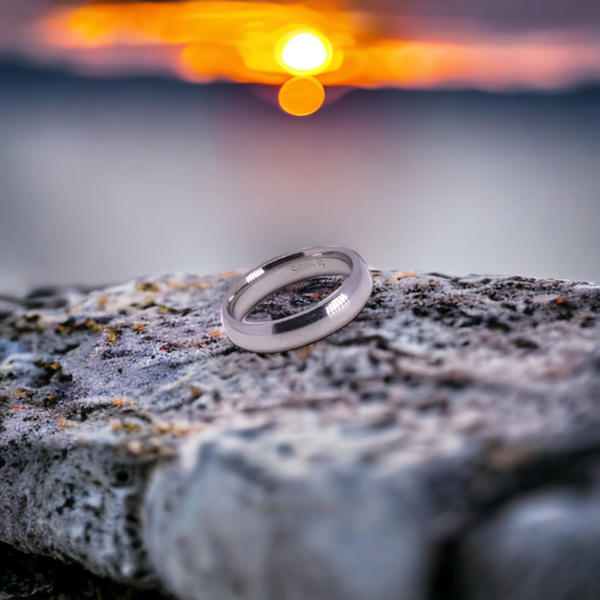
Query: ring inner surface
(275,278)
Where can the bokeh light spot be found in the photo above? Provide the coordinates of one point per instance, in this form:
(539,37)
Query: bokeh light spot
(304,52)
(301,96)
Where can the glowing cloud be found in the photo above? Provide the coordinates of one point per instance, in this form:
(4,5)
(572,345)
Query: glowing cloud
(272,43)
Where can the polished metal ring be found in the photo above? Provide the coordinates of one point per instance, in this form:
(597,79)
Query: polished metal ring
(309,325)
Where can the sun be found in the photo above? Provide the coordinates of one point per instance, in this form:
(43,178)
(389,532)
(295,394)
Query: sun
(301,96)
(304,52)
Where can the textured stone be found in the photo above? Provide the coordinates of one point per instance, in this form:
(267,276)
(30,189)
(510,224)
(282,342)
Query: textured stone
(138,442)
(547,546)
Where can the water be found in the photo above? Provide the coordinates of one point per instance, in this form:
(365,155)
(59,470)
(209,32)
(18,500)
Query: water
(102,180)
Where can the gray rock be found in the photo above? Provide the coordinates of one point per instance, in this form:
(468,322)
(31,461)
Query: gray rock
(269,527)
(138,442)
(545,547)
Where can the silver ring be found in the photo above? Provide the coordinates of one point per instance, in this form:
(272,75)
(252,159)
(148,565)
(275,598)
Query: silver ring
(307,326)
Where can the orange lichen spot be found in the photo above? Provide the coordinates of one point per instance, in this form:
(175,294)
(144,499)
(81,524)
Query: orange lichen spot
(305,351)
(119,401)
(406,274)
(139,326)
(118,425)
(102,300)
(50,397)
(63,425)
(147,286)
(195,392)
(167,310)
(301,96)
(18,408)
(177,428)
(113,335)
(230,274)
(92,325)
(214,333)
(560,300)
(135,446)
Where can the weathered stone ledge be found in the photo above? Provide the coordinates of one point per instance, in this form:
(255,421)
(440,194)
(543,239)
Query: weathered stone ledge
(445,444)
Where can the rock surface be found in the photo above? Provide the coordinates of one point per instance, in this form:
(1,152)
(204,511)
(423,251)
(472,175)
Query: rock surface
(412,452)
(30,577)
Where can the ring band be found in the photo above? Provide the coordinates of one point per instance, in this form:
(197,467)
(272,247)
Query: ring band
(309,325)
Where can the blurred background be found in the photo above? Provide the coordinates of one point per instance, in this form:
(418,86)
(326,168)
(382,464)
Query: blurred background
(455,136)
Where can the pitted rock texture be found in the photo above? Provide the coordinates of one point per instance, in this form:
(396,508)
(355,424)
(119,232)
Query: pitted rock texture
(139,442)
